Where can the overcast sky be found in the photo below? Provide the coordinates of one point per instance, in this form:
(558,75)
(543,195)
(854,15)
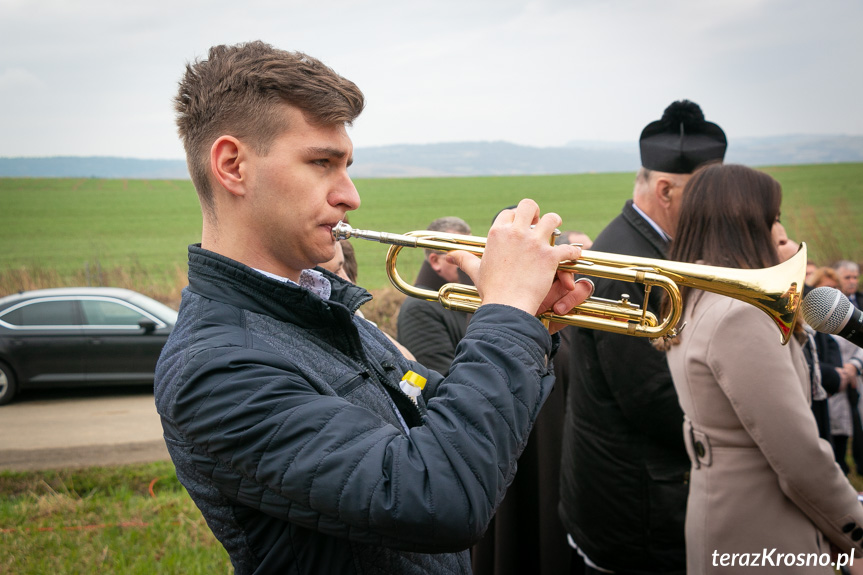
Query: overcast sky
(96,77)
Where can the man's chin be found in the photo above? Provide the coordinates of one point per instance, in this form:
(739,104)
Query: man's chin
(325,256)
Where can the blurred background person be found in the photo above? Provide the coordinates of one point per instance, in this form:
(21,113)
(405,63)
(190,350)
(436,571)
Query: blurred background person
(810,269)
(624,465)
(824,277)
(839,381)
(430,331)
(750,434)
(844,405)
(849,277)
(848,274)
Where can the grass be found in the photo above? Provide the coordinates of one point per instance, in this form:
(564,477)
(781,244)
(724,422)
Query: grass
(134,519)
(73,231)
(134,233)
(130,519)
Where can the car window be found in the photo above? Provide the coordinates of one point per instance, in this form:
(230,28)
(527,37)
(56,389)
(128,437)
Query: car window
(104,312)
(43,313)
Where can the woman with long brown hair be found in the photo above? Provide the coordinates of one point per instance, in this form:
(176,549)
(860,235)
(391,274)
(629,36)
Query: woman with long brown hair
(765,490)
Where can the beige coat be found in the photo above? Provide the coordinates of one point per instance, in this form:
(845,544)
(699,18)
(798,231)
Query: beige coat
(761,477)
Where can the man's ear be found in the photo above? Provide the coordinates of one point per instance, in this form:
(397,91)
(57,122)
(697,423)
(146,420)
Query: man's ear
(662,189)
(227,157)
(434,261)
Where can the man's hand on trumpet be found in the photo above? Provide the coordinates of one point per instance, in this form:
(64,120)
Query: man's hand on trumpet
(520,266)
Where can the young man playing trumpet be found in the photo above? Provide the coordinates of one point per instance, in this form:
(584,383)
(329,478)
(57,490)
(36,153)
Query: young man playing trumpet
(283,411)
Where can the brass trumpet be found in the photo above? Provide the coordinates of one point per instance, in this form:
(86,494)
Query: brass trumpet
(777,290)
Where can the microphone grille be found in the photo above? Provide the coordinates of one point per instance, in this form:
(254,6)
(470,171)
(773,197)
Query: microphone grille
(826,309)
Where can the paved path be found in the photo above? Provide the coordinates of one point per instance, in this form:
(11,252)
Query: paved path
(79,429)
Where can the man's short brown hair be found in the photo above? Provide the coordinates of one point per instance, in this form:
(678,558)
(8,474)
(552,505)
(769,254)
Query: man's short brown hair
(450,225)
(240,91)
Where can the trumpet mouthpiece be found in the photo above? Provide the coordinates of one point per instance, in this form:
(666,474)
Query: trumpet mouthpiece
(342,231)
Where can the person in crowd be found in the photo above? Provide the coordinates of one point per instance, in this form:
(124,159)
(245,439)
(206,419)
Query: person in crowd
(811,267)
(833,415)
(824,277)
(844,406)
(839,382)
(851,364)
(849,278)
(761,478)
(624,465)
(309,443)
(848,274)
(429,330)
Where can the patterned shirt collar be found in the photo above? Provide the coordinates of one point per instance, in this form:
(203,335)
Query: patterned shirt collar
(312,280)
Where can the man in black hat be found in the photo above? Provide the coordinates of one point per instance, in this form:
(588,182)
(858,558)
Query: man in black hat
(624,464)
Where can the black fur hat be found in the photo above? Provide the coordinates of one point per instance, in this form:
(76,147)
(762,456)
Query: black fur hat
(682,140)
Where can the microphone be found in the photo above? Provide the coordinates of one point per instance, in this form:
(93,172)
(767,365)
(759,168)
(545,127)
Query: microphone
(827,310)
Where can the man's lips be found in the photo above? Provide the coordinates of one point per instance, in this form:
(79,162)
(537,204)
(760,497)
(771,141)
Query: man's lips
(329,227)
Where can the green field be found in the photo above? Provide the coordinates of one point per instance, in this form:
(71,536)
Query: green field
(93,231)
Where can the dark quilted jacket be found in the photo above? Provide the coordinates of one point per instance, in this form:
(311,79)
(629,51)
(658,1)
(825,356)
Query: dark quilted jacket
(278,411)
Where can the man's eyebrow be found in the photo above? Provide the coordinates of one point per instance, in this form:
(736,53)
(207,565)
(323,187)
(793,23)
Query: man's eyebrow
(327,151)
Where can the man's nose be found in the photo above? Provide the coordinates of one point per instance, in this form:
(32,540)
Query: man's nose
(345,193)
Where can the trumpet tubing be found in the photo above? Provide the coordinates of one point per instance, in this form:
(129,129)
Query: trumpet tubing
(777,291)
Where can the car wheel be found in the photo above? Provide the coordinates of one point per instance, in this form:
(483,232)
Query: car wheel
(8,386)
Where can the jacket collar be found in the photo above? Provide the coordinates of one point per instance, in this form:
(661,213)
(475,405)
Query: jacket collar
(643,227)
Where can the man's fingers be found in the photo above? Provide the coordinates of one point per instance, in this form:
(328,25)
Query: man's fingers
(466,261)
(567,252)
(566,279)
(582,290)
(526,214)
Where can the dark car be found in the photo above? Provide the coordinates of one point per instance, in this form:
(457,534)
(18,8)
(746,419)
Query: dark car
(77,337)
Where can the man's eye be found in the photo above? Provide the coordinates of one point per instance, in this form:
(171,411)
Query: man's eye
(323,163)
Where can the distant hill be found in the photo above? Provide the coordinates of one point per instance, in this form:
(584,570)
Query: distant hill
(93,167)
(469,159)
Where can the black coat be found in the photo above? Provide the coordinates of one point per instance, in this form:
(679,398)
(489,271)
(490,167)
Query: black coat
(624,465)
(526,534)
